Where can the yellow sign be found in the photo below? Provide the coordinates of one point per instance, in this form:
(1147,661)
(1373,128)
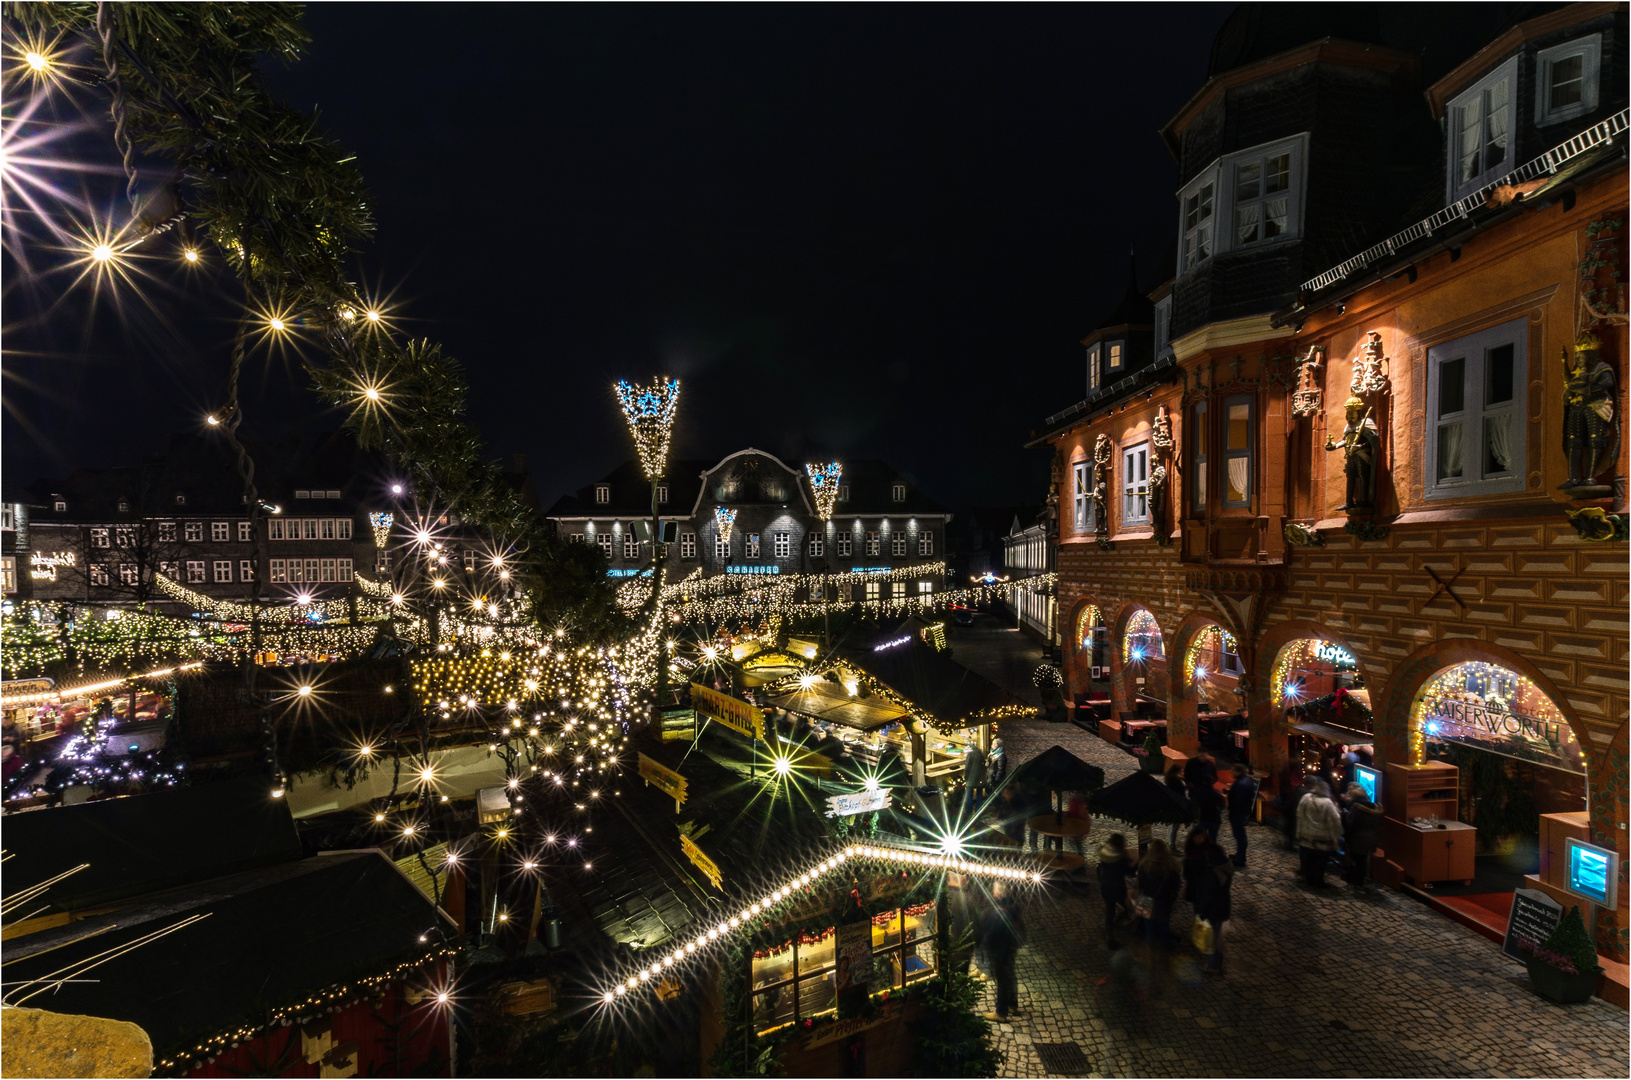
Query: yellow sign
(667,780)
(734,713)
(703,863)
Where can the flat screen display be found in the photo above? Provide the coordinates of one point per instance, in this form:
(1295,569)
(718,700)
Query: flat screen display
(1593,872)
(1369,779)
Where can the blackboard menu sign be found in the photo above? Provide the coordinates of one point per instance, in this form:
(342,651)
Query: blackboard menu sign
(1534,916)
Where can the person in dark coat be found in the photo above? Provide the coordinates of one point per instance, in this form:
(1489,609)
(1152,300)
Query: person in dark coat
(1209,804)
(1159,879)
(1002,932)
(1200,771)
(1360,823)
(1116,871)
(1175,782)
(1195,844)
(1242,803)
(1214,878)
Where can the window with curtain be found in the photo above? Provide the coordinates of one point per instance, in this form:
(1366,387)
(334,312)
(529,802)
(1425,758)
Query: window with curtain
(1199,439)
(1262,197)
(1135,484)
(1195,226)
(1082,483)
(1480,132)
(1475,434)
(1237,451)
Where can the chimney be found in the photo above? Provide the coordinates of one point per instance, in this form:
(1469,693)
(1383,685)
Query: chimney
(518,463)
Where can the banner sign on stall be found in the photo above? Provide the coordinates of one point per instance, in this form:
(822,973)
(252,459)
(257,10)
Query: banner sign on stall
(858,802)
(853,953)
(734,713)
(665,779)
(708,867)
(1534,916)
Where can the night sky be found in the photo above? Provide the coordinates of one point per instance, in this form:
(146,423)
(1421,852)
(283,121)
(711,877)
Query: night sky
(851,231)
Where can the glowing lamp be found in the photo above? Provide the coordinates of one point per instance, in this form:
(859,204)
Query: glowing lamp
(190,255)
(37,61)
(101,253)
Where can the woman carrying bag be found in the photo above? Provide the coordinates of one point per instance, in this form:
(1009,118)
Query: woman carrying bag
(1213,880)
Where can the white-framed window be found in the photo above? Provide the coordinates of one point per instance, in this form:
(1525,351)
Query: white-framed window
(1095,369)
(8,573)
(342,569)
(99,538)
(223,570)
(245,532)
(246,569)
(784,545)
(279,571)
(688,545)
(751,546)
(170,570)
(311,570)
(577,538)
(1082,496)
(297,570)
(99,573)
(1163,324)
(925,542)
(61,506)
(194,532)
(167,532)
(925,587)
(841,545)
(897,590)
(631,546)
(305,493)
(1566,78)
(1479,125)
(342,528)
(195,571)
(1476,435)
(333,494)
(605,541)
(1237,450)
(603,493)
(1112,357)
(325,528)
(124,536)
(817,545)
(327,569)
(662,493)
(1262,196)
(1135,484)
(722,549)
(1196,203)
(220,532)
(897,493)
(843,494)
(874,545)
(130,574)
(872,590)
(897,543)
(308,528)
(274,528)
(1199,440)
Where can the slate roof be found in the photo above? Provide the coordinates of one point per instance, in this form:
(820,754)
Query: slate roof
(273,937)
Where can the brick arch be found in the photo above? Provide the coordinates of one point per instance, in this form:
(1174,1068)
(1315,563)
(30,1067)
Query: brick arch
(1183,732)
(1076,660)
(1268,750)
(1121,677)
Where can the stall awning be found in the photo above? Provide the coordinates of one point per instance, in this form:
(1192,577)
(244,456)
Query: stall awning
(826,701)
(1333,734)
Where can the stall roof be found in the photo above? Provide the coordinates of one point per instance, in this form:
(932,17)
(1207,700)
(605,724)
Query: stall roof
(827,701)
(941,689)
(1333,734)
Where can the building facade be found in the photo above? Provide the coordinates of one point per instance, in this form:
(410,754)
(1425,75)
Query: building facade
(1027,551)
(1385,467)
(752,514)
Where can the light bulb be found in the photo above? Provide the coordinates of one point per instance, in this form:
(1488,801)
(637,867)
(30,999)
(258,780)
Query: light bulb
(190,255)
(36,61)
(101,253)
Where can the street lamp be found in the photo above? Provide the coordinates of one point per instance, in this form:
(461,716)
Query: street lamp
(824,485)
(649,411)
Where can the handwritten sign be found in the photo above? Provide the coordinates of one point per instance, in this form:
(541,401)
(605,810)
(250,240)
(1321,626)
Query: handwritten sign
(708,867)
(1534,916)
(859,802)
(734,713)
(43,565)
(664,779)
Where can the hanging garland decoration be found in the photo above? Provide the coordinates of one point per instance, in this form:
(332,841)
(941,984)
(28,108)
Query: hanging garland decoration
(1090,619)
(1212,636)
(824,486)
(724,519)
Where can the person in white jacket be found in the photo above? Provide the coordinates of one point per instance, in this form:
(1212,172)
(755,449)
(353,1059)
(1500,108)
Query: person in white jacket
(1319,827)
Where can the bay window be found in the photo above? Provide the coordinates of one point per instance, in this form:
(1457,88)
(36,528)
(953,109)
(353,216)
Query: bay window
(1237,451)
(1199,439)
(1476,436)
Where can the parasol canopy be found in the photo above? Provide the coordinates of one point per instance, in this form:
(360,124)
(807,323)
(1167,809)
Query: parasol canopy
(1058,770)
(1140,799)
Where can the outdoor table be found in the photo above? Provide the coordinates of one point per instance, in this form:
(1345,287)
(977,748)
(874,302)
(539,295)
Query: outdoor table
(1132,730)
(1055,830)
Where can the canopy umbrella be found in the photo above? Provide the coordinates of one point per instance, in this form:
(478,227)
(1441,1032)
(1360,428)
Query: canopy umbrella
(1141,799)
(1059,770)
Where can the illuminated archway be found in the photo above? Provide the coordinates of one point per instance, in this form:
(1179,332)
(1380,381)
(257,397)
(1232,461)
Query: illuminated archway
(1490,707)
(1138,663)
(1265,697)
(1084,631)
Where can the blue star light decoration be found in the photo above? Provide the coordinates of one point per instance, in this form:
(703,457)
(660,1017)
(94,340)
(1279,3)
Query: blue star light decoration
(649,411)
(824,483)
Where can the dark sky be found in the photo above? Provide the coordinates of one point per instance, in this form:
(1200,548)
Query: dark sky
(851,231)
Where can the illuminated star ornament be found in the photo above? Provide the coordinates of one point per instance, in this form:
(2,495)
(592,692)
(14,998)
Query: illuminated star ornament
(650,413)
(824,483)
(724,518)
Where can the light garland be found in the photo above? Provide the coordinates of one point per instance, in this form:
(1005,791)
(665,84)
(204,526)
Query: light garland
(1141,624)
(724,518)
(380,522)
(1090,619)
(745,918)
(71,693)
(649,411)
(824,485)
(1211,636)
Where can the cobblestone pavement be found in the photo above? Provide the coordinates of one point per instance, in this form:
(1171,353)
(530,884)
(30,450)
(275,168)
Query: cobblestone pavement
(1328,983)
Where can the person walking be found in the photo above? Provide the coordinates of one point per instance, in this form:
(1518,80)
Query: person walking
(1159,880)
(1214,879)
(1175,783)
(1293,786)
(973,777)
(1209,805)
(1361,823)
(1242,803)
(1002,932)
(1319,827)
(1116,873)
(997,764)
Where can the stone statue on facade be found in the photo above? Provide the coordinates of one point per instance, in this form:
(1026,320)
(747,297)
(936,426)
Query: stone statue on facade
(1361,446)
(1158,506)
(1368,377)
(1590,430)
(1161,433)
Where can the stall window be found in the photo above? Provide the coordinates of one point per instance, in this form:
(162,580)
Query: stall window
(1198,443)
(798,981)
(1237,451)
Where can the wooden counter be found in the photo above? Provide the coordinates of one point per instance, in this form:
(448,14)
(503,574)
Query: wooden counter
(1429,855)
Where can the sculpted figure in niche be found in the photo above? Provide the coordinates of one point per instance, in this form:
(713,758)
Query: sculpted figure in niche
(1361,445)
(1589,429)
(1158,505)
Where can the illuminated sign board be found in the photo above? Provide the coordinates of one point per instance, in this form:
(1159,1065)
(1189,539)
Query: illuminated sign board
(859,802)
(1332,654)
(709,868)
(753,569)
(1592,872)
(43,565)
(665,779)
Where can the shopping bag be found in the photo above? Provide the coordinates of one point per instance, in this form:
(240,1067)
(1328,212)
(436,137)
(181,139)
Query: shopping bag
(1145,906)
(1204,937)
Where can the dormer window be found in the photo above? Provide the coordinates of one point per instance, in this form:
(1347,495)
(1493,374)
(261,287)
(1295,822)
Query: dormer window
(181,499)
(1095,372)
(1566,80)
(1262,197)
(603,494)
(60,506)
(124,506)
(843,493)
(897,493)
(1113,356)
(1480,132)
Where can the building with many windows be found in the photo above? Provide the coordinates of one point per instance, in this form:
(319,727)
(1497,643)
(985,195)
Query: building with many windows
(751,513)
(1371,490)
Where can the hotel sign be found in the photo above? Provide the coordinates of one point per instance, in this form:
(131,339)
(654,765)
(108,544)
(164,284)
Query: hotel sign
(734,713)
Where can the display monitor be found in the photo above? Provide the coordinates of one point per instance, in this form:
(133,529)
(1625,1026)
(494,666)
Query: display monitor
(1592,872)
(1369,779)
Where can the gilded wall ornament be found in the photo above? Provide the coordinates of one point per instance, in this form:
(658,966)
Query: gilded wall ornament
(1368,377)
(1308,398)
(1590,426)
(1299,535)
(1161,435)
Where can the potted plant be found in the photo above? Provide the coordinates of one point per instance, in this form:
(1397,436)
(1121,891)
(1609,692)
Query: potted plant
(1564,969)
